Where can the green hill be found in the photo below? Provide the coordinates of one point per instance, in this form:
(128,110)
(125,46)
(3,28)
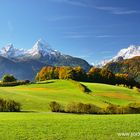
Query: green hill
(36,97)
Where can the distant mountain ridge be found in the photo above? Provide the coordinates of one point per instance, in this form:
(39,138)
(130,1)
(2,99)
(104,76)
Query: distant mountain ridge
(25,64)
(127,61)
(40,47)
(128,66)
(126,53)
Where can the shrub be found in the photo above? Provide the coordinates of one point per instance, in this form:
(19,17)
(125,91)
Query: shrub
(9,106)
(82,108)
(111,109)
(16,83)
(14,106)
(55,107)
(133,108)
(8,78)
(115,109)
(94,109)
(71,108)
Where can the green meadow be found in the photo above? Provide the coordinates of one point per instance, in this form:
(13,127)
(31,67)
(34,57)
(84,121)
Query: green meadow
(55,126)
(36,97)
(36,122)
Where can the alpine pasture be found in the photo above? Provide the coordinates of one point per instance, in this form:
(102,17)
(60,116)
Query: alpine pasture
(36,121)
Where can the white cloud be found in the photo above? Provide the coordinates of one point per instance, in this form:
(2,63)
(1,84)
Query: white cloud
(117,10)
(104,36)
(126,12)
(112,10)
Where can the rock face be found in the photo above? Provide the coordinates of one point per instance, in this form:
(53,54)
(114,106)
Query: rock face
(24,64)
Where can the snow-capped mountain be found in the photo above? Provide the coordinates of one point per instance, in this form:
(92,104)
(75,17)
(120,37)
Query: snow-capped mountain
(128,53)
(125,53)
(39,48)
(42,48)
(24,64)
(10,51)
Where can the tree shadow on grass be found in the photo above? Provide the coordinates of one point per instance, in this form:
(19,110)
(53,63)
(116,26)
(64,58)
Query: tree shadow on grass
(87,90)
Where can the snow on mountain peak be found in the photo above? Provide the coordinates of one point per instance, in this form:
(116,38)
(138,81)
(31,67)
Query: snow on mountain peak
(8,47)
(40,45)
(39,48)
(125,53)
(10,51)
(128,53)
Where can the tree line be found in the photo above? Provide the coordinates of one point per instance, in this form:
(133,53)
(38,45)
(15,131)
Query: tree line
(97,75)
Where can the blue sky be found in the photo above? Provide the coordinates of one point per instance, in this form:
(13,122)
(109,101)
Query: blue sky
(91,29)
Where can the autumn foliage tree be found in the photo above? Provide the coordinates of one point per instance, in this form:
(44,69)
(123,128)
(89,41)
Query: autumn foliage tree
(107,77)
(66,73)
(125,79)
(79,74)
(47,73)
(97,75)
(94,75)
(50,72)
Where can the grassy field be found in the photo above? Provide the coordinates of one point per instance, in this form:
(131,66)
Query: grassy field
(47,126)
(36,122)
(36,97)
(113,94)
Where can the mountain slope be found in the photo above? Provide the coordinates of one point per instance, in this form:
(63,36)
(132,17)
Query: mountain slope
(25,69)
(25,64)
(129,66)
(126,53)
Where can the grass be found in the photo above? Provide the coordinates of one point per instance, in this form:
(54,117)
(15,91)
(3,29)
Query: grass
(113,94)
(37,123)
(36,97)
(45,126)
